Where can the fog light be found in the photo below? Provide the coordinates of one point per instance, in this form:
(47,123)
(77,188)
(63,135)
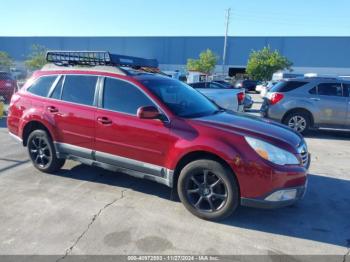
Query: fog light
(282,195)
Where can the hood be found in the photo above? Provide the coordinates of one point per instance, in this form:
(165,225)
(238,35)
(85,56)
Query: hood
(248,125)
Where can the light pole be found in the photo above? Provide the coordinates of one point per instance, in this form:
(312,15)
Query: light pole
(228,13)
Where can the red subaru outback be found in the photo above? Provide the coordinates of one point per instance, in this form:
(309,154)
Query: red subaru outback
(98,109)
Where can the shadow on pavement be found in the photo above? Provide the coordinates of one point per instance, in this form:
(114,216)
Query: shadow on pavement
(99,175)
(323,215)
(329,134)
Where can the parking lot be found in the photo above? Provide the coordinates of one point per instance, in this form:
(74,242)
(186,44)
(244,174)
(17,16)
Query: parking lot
(84,210)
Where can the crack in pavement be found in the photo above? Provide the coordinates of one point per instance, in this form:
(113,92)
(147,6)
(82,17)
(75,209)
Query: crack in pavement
(70,249)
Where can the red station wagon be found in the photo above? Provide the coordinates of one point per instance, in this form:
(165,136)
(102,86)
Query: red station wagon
(109,111)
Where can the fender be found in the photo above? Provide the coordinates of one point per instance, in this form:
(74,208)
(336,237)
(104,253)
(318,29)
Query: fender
(218,147)
(33,114)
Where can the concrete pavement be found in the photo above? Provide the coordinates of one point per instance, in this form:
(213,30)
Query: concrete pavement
(84,210)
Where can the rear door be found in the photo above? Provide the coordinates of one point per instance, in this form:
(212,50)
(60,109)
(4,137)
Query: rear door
(123,139)
(72,109)
(332,104)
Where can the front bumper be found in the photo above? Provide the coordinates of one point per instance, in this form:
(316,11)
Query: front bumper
(276,199)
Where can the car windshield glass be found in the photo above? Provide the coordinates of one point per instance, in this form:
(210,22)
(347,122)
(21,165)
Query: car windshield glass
(180,98)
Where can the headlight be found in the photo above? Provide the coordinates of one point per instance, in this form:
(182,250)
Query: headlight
(272,153)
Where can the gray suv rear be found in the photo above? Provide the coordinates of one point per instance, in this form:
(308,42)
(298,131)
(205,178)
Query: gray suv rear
(305,103)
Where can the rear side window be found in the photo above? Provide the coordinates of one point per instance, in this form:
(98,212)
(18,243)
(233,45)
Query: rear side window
(330,89)
(286,86)
(56,94)
(199,85)
(42,86)
(313,90)
(216,86)
(123,97)
(79,89)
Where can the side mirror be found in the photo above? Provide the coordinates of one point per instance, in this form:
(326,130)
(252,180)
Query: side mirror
(148,112)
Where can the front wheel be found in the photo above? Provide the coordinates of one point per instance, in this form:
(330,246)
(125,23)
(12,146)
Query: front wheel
(42,152)
(208,189)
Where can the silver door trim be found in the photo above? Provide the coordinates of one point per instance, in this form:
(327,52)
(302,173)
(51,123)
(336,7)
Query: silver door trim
(116,163)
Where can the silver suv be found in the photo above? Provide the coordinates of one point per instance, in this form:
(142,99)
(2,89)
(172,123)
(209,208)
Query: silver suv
(304,103)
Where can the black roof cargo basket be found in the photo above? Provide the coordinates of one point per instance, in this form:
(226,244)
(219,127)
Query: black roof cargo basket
(93,58)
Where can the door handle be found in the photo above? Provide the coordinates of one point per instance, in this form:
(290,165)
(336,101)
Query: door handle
(52,109)
(104,120)
(315,99)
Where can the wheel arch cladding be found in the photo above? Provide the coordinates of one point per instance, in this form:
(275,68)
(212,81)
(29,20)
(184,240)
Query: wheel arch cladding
(199,155)
(30,127)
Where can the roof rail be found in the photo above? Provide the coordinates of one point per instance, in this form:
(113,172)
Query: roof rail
(93,58)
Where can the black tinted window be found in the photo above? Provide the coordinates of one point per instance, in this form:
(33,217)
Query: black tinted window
(346,90)
(216,86)
(41,87)
(313,90)
(58,89)
(79,89)
(123,97)
(330,89)
(286,86)
(199,85)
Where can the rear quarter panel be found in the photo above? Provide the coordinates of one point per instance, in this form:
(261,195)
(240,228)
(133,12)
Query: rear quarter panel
(299,98)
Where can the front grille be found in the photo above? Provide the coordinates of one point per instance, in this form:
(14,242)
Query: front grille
(304,155)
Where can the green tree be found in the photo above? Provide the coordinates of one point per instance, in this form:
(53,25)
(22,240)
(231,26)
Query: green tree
(5,61)
(263,63)
(205,64)
(37,58)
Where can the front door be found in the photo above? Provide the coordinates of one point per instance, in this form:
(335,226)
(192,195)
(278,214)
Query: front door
(124,140)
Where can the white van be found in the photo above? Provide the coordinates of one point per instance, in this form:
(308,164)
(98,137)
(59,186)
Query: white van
(283,75)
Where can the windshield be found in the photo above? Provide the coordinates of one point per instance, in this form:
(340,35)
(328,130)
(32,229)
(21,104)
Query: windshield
(181,99)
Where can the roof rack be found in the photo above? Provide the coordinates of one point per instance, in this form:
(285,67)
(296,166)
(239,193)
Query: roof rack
(93,58)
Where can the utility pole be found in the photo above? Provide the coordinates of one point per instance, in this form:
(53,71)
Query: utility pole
(228,13)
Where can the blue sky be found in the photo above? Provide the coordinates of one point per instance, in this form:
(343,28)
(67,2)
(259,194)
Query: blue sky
(174,18)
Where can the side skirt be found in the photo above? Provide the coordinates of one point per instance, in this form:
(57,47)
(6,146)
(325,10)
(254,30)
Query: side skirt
(114,163)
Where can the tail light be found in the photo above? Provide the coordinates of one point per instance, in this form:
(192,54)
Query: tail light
(240,97)
(274,98)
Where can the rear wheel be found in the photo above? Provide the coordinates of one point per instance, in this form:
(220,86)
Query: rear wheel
(208,189)
(42,152)
(298,121)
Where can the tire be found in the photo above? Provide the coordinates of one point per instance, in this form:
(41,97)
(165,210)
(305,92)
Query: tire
(221,189)
(42,152)
(299,121)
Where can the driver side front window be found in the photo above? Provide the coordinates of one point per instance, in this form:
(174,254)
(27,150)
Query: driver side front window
(123,97)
